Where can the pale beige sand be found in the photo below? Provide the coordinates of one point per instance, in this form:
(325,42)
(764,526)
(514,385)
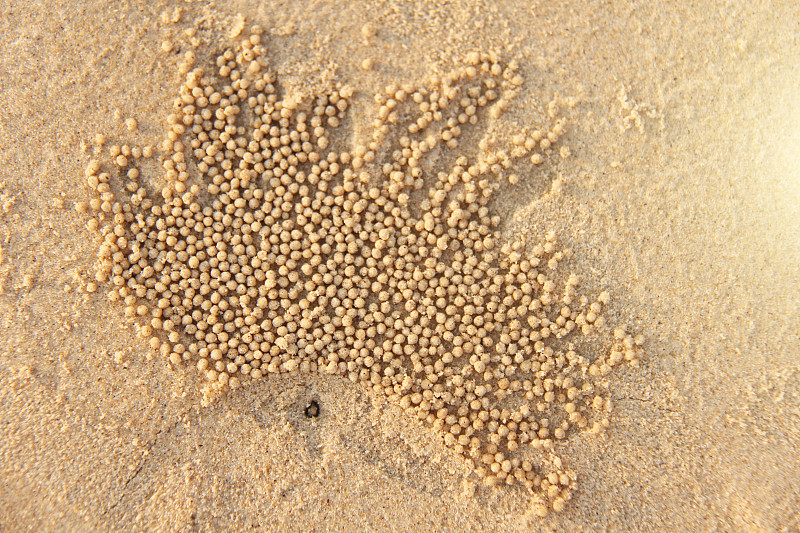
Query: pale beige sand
(688,216)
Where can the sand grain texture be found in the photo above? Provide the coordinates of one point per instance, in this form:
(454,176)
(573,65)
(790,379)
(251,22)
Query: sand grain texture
(680,197)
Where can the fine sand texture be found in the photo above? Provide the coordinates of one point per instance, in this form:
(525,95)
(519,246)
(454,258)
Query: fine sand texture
(674,187)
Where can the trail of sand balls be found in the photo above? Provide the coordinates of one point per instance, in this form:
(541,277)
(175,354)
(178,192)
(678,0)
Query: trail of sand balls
(269,251)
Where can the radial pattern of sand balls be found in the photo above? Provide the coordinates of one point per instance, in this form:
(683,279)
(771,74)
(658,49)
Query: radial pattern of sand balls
(267,251)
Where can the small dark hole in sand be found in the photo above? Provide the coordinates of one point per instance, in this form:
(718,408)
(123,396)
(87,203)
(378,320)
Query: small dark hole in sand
(312,410)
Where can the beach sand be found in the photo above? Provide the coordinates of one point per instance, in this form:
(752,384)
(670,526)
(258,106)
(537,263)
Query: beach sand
(680,196)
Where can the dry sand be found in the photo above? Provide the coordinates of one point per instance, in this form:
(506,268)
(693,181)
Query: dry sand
(681,197)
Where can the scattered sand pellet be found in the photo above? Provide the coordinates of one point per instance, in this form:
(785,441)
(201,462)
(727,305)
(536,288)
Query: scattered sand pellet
(368,30)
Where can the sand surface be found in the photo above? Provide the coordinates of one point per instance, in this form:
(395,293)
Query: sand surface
(680,197)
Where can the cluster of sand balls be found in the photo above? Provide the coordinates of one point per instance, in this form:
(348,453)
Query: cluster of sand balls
(269,251)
